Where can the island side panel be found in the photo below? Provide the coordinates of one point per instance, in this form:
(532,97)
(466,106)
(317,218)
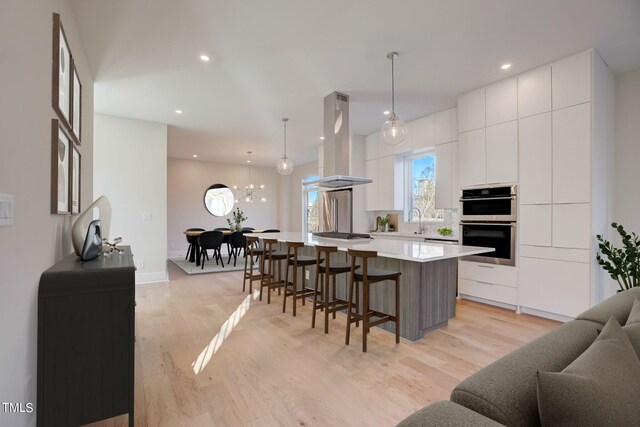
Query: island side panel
(438,293)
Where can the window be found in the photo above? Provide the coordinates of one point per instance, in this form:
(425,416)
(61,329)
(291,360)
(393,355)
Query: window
(420,174)
(311,218)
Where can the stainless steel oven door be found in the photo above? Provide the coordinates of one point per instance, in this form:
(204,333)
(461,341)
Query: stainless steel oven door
(498,208)
(498,235)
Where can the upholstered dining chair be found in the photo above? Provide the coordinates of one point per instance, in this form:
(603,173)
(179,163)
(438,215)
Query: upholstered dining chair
(190,240)
(211,240)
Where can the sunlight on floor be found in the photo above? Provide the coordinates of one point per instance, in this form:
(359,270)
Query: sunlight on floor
(225,330)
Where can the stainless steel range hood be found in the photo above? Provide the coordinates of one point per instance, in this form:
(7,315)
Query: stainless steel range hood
(336,145)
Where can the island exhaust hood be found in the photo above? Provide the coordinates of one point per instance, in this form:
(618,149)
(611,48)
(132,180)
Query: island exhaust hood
(336,145)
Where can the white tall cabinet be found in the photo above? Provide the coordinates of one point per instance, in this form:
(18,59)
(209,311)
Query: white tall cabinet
(563,204)
(546,130)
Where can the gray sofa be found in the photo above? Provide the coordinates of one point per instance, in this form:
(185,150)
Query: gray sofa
(505,392)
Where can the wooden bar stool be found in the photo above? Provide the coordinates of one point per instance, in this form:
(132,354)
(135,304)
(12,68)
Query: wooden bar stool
(252,251)
(367,276)
(296,261)
(327,273)
(272,258)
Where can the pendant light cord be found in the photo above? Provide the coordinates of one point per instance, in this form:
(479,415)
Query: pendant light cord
(285,138)
(393,86)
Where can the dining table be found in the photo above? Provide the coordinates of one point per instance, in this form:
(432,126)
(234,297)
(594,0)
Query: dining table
(194,256)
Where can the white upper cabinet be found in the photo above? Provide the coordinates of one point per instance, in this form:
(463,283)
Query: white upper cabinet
(443,176)
(571,80)
(385,150)
(443,127)
(471,110)
(454,124)
(371,190)
(572,154)
(572,225)
(371,147)
(422,133)
(535,225)
(455,189)
(502,102)
(502,153)
(471,158)
(535,159)
(534,92)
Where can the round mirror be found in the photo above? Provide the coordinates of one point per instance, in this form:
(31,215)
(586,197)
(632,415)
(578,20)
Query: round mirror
(218,199)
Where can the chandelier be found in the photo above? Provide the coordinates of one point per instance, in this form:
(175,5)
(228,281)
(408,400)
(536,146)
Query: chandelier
(250,189)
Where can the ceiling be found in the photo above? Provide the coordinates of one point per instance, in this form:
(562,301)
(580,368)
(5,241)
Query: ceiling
(277,58)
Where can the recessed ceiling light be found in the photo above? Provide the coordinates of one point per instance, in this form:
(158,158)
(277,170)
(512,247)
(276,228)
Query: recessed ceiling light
(506,66)
(386,112)
(178,111)
(205,58)
(195,155)
(322,138)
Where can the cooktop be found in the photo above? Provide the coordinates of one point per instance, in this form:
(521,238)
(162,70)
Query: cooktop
(339,235)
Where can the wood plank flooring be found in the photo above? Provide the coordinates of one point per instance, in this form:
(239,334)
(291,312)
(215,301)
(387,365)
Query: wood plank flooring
(209,355)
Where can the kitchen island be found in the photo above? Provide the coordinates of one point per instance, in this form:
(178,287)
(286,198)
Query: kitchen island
(427,285)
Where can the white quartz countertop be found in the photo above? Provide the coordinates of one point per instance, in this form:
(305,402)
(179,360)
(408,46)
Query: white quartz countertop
(399,235)
(409,250)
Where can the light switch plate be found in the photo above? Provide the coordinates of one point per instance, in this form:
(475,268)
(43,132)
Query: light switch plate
(6,209)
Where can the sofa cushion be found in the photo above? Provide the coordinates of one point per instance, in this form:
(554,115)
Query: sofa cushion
(617,306)
(505,391)
(599,388)
(633,332)
(447,414)
(634,315)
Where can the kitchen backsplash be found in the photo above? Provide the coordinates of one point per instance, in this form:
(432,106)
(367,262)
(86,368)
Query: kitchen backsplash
(450,218)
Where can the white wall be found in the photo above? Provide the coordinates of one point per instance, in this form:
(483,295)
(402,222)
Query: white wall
(626,206)
(37,239)
(130,168)
(187,181)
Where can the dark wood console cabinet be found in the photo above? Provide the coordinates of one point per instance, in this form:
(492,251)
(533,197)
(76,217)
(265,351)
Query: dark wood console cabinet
(86,334)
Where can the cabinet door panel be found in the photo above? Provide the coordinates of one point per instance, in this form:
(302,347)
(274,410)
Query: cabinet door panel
(502,153)
(534,92)
(559,287)
(386,175)
(571,226)
(535,159)
(455,189)
(572,154)
(443,176)
(371,190)
(443,127)
(471,111)
(371,147)
(502,102)
(471,158)
(535,225)
(571,80)
(423,133)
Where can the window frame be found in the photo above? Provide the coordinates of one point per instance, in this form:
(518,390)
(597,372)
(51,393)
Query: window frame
(408,180)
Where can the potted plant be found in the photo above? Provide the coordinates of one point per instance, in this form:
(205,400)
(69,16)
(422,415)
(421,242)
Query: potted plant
(622,264)
(444,231)
(383,224)
(238,217)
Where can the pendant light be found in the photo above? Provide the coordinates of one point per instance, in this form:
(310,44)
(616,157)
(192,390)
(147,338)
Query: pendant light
(285,165)
(250,189)
(394,131)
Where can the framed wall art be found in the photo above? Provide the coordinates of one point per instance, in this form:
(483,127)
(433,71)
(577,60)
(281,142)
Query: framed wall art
(62,75)
(61,146)
(75,168)
(76,104)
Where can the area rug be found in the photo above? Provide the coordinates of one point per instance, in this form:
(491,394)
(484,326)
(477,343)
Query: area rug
(209,265)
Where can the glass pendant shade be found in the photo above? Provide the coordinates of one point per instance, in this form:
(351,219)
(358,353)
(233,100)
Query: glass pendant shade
(284,166)
(394,131)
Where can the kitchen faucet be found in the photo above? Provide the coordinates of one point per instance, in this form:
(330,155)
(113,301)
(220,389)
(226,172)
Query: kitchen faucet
(420,228)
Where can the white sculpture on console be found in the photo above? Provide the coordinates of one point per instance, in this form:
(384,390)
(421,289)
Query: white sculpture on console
(79,229)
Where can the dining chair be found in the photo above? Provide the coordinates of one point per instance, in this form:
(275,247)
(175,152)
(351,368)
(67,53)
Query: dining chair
(238,243)
(190,240)
(211,240)
(271,230)
(225,237)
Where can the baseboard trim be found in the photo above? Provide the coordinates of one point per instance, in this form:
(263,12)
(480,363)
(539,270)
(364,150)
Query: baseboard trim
(151,277)
(489,302)
(546,314)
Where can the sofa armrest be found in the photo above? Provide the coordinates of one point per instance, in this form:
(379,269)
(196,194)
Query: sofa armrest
(447,414)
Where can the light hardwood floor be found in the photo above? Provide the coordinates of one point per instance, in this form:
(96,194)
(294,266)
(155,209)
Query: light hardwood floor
(209,355)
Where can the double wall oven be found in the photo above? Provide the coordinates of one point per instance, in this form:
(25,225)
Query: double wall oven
(488,218)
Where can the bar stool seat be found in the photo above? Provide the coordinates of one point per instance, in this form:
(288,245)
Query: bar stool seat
(336,268)
(272,258)
(368,276)
(296,262)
